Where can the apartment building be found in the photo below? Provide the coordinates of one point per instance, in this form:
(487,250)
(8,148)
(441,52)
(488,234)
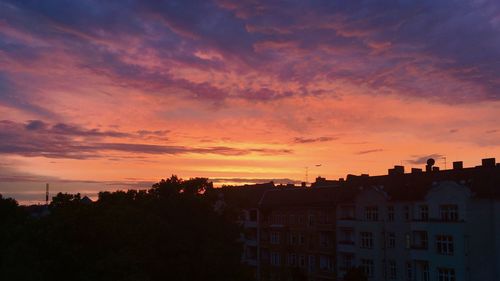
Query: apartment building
(427,225)
(423,226)
(297,233)
(244,201)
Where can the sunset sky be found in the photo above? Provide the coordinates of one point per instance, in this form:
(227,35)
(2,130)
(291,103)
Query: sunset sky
(106,95)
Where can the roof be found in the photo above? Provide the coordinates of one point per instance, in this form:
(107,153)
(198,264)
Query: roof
(245,196)
(484,182)
(311,197)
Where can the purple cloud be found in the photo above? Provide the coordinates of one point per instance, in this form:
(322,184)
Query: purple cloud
(36,138)
(447,50)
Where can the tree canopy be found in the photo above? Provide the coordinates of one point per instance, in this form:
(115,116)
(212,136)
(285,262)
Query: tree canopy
(169,232)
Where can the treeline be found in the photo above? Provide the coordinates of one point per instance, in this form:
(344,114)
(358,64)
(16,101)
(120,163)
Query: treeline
(169,232)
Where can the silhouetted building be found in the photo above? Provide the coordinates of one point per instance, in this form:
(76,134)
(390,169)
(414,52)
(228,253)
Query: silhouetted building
(437,225)
(297,233)
(245,199)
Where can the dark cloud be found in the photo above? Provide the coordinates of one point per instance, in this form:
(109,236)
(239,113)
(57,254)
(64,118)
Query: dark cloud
(422,159)
(391,47)
(369,151)
(36,138)
(313,140)
(12,95)
(253,180)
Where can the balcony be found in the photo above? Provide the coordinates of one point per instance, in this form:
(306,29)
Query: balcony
(346,246)
(251,262)
(250,242)
(250,224)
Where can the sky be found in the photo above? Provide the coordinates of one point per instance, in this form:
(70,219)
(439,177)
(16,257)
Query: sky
(106,95)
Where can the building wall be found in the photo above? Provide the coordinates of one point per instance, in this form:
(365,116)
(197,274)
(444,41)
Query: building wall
(306,241)
(416,226)
(474,234)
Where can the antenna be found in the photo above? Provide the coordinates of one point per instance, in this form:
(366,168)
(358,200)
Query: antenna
(307,172)
(444,157)
(47,194)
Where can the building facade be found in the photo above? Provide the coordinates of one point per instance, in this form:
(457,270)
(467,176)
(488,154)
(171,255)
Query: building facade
(419,226)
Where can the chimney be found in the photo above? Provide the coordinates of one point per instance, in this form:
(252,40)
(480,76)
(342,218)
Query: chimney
(397,170)
(488,162)
(435,169)
(416,170)
(47,194)
(303,184)
(458,165)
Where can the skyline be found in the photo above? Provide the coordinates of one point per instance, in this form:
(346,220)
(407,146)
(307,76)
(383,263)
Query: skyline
(97,96)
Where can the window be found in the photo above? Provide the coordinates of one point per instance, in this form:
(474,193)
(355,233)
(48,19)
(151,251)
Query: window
(322,217)
(408,241)
(371,213)
(367,266)
(423,212)
(275,258)
(407,213)
(324,239)
(449,212)
(393,270)
(409,271)
(444,244)
(325,263)
(292,238)
(312,263)
(346,261)
(301,219)
(347,212)
(425,272)
(275,237)
(391,240)
(446,274)
(302,239)
(420,240)
(253,215)
(311,220)
(282,219)
(346,236)
(292,259)
(302,261)
(390,213)
(366,240)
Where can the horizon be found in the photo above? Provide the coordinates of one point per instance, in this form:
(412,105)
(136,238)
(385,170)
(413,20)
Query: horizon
(102,95)
(218,183)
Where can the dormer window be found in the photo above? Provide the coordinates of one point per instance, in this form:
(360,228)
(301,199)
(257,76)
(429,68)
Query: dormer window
(371,213)
(390,213)
(448,212)
(423,212)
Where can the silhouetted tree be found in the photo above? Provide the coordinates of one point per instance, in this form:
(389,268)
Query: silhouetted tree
(169,232)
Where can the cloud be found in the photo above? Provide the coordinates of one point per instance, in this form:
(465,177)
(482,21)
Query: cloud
(36,138)
(422,159)
(413,49)
(235,181)
(313,140)
(369,151)
(63,129)
(12,95)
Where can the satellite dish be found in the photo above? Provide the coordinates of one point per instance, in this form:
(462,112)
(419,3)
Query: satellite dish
(430,162)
